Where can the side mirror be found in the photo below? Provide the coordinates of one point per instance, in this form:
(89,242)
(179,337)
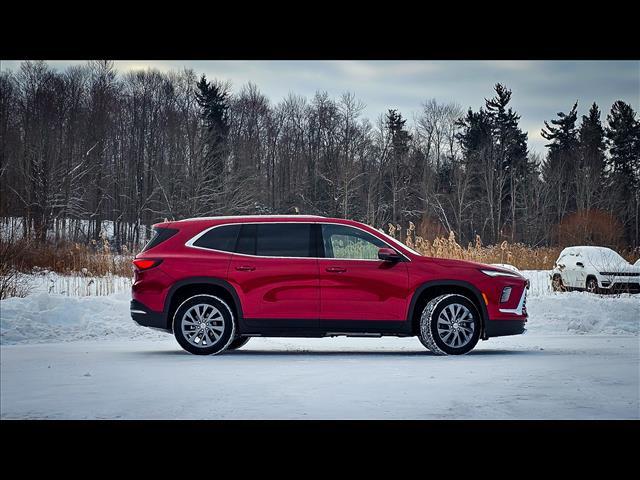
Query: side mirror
(580,264)
(388,255)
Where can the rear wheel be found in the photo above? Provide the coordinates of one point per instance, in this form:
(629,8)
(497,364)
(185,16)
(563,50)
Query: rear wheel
(204,325)
(238,342)
(450,325)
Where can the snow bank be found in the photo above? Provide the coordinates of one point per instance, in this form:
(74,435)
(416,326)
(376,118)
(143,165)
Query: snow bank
(584,313)
(45,318)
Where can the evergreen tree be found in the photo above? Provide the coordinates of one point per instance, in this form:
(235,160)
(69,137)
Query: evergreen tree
(476,144)
(623,138)
(399,180)
(495,152)
(213,100)
(623,135)
(591,161)
(510,152)
(510,141)
(560,169)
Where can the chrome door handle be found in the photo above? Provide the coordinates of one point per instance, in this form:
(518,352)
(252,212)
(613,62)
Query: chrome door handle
(336,269)
(245,268)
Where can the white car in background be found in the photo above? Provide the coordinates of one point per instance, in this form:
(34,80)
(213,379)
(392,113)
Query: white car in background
(594,269)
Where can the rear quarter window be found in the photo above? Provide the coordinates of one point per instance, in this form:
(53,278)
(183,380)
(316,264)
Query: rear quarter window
(219,238)
(160,235)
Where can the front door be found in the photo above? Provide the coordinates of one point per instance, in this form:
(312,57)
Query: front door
(354,283)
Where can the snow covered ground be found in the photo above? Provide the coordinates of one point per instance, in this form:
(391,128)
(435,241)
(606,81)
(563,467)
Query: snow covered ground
(525,377)
(83,357)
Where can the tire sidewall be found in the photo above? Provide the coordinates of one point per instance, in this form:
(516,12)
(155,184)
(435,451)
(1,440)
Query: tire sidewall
(238,342)
(229,324)
(433,318)
(557,283)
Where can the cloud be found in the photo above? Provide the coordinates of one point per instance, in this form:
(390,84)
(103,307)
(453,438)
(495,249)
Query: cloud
(540,88)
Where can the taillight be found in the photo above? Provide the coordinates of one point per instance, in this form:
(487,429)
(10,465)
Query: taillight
(145,263)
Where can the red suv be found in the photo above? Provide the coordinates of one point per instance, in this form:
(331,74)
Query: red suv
(216,282)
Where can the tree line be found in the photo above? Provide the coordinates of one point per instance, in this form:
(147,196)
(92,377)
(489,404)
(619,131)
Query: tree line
(90,145)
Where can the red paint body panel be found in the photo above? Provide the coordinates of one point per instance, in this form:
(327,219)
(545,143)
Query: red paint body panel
(277,288)
(312,288)
(363,290)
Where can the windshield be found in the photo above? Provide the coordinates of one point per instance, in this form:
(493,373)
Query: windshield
(602,257)
(397,242)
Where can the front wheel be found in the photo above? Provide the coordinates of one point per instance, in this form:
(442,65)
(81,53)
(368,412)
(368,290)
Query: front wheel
(238,342)
(204,325)
(556,284)
(450,325)
(592,285)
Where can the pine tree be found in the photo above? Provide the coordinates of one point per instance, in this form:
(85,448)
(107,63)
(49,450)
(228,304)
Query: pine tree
(213,100)
(560,169)
(591,161)
(495,152)
(623,138)
(399,180)
(511,142)
(510,152)
(623,135)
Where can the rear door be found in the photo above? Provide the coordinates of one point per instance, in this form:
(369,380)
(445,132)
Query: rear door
(354,283)
(275,272)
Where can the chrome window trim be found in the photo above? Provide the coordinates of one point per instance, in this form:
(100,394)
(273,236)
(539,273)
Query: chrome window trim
(190,243)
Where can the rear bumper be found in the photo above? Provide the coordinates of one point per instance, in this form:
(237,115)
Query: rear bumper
(502,328)
(146,317)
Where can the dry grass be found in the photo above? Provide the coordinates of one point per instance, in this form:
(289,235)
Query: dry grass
(12,283)
(517,254)
(66,258)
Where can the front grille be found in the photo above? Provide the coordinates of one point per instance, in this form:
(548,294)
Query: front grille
(621,274)
(625,287)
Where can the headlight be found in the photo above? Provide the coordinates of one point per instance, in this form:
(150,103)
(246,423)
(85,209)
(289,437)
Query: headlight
(496,273)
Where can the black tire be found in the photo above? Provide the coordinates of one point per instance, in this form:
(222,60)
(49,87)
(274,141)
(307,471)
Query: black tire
(429,335)
(224,322)
(556,284)
(238,342)
(592,285)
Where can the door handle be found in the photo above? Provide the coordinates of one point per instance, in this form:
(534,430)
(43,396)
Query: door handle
(245,268)
(336,269)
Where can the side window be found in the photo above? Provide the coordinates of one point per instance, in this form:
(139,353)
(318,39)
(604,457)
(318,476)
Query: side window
(247,240)
(284,240)
(341,241)
(159,235)
(219,238)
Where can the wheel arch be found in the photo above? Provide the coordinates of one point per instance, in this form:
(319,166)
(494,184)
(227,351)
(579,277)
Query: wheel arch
(434,288)
(594,277)
(184,288)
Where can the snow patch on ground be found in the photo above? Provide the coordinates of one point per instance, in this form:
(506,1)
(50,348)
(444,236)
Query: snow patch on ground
(522,377)
(584,313)
(45,318)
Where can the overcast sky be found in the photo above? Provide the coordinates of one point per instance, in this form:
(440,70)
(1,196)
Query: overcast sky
(540,88)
